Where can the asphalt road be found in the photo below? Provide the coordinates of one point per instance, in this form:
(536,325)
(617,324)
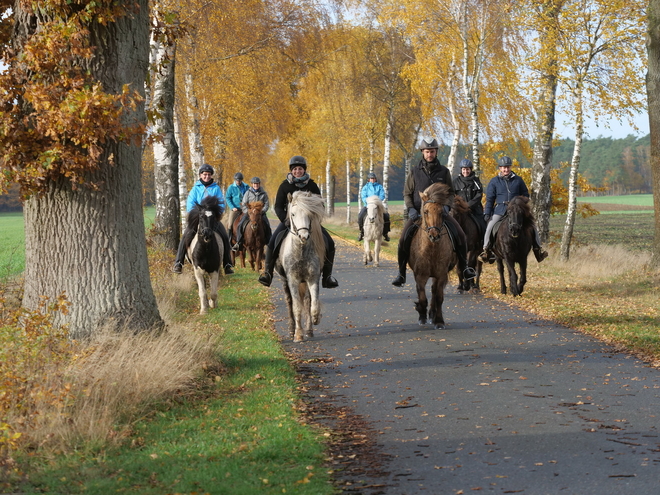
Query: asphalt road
(500,401)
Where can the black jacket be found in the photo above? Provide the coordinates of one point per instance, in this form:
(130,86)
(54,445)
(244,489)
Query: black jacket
(470,189)
(422,176)
(286,188)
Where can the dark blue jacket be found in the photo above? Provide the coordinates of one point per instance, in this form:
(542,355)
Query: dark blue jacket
(501,190)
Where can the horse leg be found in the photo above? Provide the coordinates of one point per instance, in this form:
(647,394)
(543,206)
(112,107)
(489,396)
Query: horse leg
(366,256)
(500,269)
(213,295)
(422,303)
(289,308)
(307,310)
(523,275)
(297,308)
(315,305)
(201,290)
(513,277)
(377,244)
(437,299)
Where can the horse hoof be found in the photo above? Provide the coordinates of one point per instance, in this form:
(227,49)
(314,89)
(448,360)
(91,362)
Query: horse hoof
(203,311)
(439,326)
(421,322)
(309,335)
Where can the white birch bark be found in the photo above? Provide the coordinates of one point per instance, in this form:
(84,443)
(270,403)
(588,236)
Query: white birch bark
(197,158)
(183,186)
(386,156)
(348,191)
(360,182)
(456,134)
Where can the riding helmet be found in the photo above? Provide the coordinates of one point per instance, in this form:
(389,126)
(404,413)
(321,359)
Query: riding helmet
(297,161)
(238,176)
(371,175)
(206,168)
(427,145)
(255,180)
(465,163)
(505,161)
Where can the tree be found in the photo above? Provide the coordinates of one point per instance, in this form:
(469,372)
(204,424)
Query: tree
(72,121)
(653,92)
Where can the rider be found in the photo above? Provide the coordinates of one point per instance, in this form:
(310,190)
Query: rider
(372,188)
(205,186)
(235,194)
(297,180)
(255,193)
(428,171)
(468,186)
(501,189)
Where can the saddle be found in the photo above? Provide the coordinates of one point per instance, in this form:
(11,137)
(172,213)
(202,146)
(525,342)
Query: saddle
(496,227)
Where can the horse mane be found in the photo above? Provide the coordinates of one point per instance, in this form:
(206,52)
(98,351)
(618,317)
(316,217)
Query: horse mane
(256,204)
(522,203)
(461,206)
(313,205)
(208,203)
(437,193)
(375,200)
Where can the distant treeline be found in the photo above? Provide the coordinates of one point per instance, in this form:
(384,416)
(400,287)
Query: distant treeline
(622,166)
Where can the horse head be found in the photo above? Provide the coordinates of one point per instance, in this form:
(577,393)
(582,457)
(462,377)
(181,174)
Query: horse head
(374,206)
(206,225)
(517,212)
(305,209)
(205,216)
(433,215)
(254,213)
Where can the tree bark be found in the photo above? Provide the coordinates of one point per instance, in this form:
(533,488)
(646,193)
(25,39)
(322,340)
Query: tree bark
(567,236)
(386,155)
(348,190)
(653,92)
(165,147)
(197,158)
(90,244)
(542,159)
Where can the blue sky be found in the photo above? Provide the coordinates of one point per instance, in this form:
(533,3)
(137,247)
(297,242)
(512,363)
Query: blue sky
(617,130)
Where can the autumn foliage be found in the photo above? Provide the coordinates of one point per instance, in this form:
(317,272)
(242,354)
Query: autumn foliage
(55,117)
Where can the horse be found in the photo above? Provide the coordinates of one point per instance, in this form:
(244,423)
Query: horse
(206,249)
(432,254)
(373,229)
(300,262)
(254,238)
(461,212)
(513,242)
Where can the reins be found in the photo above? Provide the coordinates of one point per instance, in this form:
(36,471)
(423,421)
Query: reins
(439,229)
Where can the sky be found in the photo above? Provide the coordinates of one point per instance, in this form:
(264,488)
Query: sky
(616,129)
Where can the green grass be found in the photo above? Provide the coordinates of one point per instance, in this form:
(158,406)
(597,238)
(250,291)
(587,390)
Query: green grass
(242,436)
(631,199)
(12,245)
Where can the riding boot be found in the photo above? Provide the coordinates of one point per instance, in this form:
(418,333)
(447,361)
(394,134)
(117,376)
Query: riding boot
(487,255)
(403,253)
(386,227)
(327,280)
(266,278)
(360,236)
(239,240)
(540,253)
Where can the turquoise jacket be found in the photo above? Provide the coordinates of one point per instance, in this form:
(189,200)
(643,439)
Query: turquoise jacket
(372,189)
(235,194)
(199,191)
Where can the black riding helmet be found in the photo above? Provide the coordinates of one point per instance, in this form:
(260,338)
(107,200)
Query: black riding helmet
(238,176)
(297,161)
(465,163)
(206,168)
(255,180)
(505,161)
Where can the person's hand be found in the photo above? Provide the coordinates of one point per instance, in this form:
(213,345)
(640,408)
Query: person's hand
(413,214)
(487,218)
(234,209)
(446,209)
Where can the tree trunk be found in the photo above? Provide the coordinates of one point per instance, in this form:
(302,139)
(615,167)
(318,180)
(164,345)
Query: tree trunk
(540,188)
(348,191)
(90,244)
(360,181)
(456,135)
(330,186)
(197,158)
(166,149)
(653,92)
(572,184)
(183,186)
(386,156)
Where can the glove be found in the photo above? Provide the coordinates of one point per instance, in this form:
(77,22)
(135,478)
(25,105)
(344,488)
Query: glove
(486,218)
(446,209)
(413,214)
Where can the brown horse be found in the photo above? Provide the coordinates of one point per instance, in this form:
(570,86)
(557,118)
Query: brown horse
(237,254)
(513,242)
(432,254)
(461,212)
(254,238)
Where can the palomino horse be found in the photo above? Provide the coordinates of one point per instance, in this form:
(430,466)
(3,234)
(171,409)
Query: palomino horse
(300,262)
(461,212)
(513,242)
(254,237)
(206,249)
(373,229)
(432,254)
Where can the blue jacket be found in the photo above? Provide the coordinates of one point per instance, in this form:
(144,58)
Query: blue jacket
(372,189)
(501,190)
(235,194)
(199,191)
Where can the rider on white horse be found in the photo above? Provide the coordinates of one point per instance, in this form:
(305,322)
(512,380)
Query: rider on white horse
(372,188)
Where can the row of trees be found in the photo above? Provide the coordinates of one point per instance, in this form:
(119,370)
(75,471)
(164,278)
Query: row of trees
(245,85)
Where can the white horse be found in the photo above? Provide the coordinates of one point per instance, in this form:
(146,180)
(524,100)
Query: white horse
(300,262)
(373,229)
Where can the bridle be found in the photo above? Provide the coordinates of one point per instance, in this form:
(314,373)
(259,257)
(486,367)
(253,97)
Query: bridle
(434,227)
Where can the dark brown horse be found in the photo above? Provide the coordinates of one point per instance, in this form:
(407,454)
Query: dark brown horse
(461,212)
(513,242)
(237,254)
(254,238)
(432,255)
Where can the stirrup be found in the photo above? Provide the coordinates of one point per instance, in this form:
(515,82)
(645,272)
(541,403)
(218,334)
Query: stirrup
(228,269)
(236,247)
(329,282)
(266,279)
(485,256)
(469,273)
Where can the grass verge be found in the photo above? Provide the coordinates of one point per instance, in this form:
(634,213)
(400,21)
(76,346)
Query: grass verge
(232,427)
